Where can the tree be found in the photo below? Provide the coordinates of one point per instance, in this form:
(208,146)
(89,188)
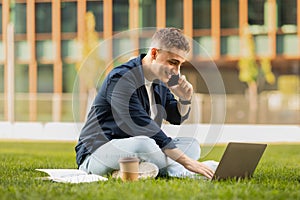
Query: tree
(250,70)
(90,66)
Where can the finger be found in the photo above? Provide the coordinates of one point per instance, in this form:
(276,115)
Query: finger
(211,173)
(188,88)
(207,172)
(183,85)
(210,176)
(181,79)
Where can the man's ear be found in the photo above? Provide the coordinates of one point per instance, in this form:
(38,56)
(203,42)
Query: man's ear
(153,53)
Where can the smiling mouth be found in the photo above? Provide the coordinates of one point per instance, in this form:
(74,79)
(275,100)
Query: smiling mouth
(169,74)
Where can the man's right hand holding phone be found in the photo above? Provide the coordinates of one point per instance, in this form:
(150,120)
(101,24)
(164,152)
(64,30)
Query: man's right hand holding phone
(183,90)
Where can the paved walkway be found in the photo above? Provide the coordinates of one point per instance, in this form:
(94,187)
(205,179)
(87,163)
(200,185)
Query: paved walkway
(205,133)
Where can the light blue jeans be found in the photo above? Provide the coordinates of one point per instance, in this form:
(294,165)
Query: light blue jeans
(105,159)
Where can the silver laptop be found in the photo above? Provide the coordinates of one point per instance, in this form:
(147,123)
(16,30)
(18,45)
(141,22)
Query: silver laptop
(239,160)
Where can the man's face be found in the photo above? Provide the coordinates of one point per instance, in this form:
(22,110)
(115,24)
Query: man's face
(166,64)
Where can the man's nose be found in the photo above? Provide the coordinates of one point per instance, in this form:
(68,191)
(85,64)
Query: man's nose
(175,71)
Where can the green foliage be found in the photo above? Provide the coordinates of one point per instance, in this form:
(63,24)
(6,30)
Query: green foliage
(248,66)
(277,177)
(267,70)
(289,84)
(248,70)
(91,66)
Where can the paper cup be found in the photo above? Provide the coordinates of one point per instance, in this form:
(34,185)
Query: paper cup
(129,168)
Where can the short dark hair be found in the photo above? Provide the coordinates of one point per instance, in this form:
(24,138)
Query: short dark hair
(169,38)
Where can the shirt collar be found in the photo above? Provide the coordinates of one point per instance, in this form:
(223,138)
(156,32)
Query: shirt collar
(147,82)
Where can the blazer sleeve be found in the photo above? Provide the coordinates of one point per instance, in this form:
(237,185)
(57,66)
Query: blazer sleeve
(173,115)
(128,112)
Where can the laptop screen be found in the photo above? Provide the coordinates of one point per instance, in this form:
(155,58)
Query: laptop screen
(239,160)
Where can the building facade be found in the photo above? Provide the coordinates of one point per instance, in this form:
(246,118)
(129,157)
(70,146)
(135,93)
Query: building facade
(46,33)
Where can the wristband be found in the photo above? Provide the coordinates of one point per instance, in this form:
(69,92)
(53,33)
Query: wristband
(185,102)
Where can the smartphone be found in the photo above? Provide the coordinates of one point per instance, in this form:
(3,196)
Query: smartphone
(173,80)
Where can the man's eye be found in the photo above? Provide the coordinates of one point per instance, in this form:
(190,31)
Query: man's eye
(173,63)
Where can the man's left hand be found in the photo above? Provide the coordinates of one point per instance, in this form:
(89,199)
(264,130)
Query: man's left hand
(183,90)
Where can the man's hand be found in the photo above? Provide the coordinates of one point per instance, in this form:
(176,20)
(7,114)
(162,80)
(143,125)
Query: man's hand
(188,163)
(183,90)
(200,168)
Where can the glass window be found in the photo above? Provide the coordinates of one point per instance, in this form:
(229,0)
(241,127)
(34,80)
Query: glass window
(43,18)
(22,107)
(22,50)
(97,8)
(261,45)
(44,109)
(70,49)
(69,17)
(229,13)
(1,78)
(45,78)
(230,45)
(287,44)
(147,13)
(256,12)
(1,51)
(69,76)
(21,78)
(287,12)
(1,18)
(144,44)
(122,47)
(1,92)
(120,15)
(20,18)
(174,13)
(67,110)
(202,14)
(203,46)
(44,49)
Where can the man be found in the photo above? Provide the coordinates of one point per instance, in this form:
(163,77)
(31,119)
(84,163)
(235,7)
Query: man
(128,111)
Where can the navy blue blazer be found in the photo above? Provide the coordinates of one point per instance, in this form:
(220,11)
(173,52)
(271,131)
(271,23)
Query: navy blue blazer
(121,110)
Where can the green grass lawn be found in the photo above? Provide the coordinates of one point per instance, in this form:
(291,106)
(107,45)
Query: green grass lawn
(276,177)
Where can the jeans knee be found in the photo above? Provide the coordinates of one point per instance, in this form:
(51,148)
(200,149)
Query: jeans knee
(144,144)
(186,140)
(143,139)
(190,146)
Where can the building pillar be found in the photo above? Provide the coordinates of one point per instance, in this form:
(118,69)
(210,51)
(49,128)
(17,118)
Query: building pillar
(5,24)
(188,21)
(134,24)
(81,11)
(272,17)
(108,29)
(215,28)
(30,23)
(57,67)
(298,25)
(243,21)
(160,13)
